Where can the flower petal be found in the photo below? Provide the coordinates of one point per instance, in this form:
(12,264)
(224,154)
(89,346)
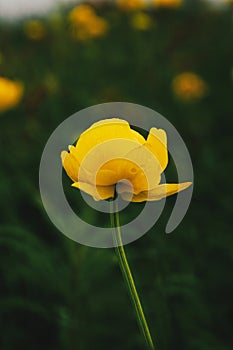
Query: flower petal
(117,126)
(97,192)
(140,197)
(107,162)
(70,165)
(165,190)
(149,175)
(157,193)
(157,143)
(105,130)
(106,177)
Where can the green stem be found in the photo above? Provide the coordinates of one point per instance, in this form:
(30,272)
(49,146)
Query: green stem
(115,223)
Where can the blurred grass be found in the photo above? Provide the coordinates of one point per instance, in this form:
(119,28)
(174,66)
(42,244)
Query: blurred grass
(56,294)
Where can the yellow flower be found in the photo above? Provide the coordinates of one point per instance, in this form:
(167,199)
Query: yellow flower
(189,86)
(86,24)
(34,29)
(81,13)
(167,3)
(141,21)
(110,155)
(131,5)
(10,93)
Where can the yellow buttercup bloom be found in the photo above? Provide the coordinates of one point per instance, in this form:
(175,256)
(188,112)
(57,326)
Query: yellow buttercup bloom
(10,93)
(189,86)
(131,5)
(111,156)
(86,24)
(141,21)
(81,13)
(168,3)
(34,29)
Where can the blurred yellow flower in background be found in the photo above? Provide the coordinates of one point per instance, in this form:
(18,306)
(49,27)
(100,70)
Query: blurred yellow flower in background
(34,29)
(131,5)
(81,13)
(168,3)
(110,155)
(10,93)
(189,86)
(141,21)
(85,24)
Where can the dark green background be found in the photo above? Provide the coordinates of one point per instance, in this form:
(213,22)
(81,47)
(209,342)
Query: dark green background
(56,294)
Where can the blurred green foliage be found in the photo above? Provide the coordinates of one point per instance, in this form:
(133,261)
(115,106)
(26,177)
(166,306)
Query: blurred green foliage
(56,294)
